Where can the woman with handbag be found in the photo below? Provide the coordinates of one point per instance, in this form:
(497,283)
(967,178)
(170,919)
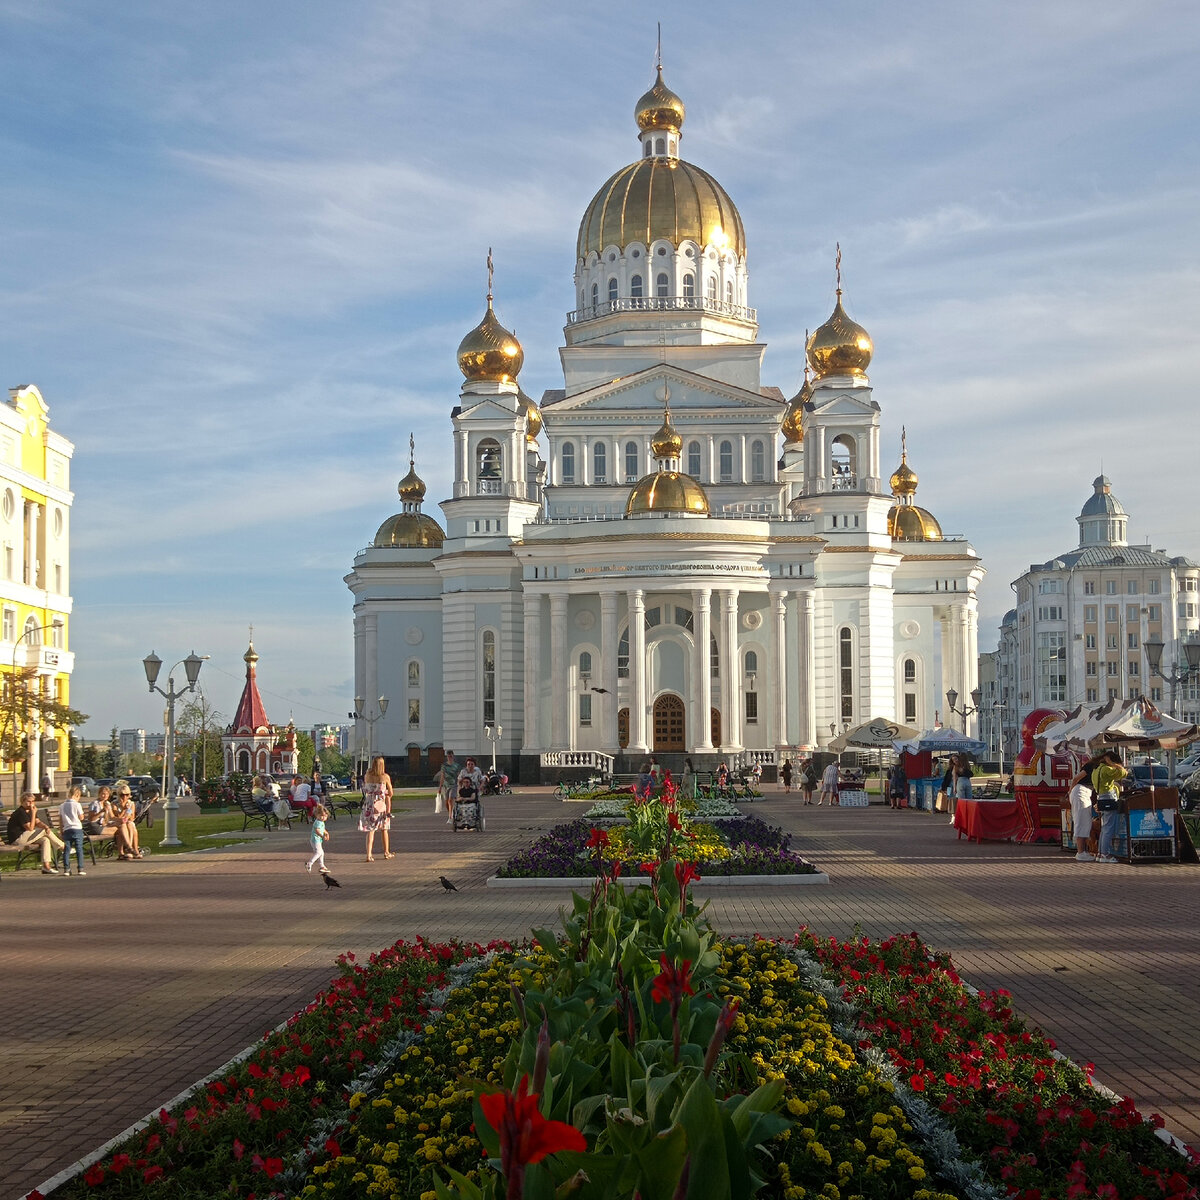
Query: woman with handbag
(1082,811)
(1105,779)
(376,814)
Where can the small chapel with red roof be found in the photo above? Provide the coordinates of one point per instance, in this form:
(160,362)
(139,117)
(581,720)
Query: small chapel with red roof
(252,744)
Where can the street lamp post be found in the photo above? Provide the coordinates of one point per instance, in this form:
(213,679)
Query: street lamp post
(191,666)
(998,708)
(360,715)
(493,733)
(1180,673)
(964,712)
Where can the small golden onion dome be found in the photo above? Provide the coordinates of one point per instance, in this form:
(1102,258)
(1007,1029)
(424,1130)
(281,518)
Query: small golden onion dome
(412,486)
(660,108)
(661,198)
(533,417)
(911,523)
(792,426)
(666,491)
(904,479)
(840,346)
(251,656)
(409,530)
(489,351)
(666,443)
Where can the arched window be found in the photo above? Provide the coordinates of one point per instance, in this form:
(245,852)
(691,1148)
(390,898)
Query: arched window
(910,670)
(488,468)
(488,660)
(599,462)
(662,285)
(623,654)
(693,459)
(726,454)
(846,673)
(33,632)
(635,288)
(660,146)
(585,663)
(631,462)
(711,287)
(758,462)
(751,662)
(689,286)
(843,464)
(595,294)
(729,291)
(568,462)
(647,149)
(612,290)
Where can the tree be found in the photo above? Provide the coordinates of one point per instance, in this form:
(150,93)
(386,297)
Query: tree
(306,754)
(111,758)
(335,763)
(25,704)
(86,761)
(198,739)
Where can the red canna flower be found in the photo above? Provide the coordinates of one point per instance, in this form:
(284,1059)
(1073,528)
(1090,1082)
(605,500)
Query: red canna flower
(685,873)
(673,983)
(648,868)
(526,1136)
(673,820)
(598,838)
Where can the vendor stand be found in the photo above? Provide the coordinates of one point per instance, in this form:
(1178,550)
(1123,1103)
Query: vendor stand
(989,820)
(876,734)
(923,789)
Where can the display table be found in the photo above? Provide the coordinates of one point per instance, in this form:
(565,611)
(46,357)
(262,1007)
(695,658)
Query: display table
(988,820)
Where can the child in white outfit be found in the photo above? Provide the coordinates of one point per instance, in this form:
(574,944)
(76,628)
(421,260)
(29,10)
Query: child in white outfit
(318,838)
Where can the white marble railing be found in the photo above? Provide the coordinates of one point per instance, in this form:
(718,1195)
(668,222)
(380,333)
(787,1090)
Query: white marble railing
(591,760)
(762,758)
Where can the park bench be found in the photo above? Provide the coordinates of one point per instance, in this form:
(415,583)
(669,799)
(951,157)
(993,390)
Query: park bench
(349,804)
(988,790)
(253,815)
(50,816)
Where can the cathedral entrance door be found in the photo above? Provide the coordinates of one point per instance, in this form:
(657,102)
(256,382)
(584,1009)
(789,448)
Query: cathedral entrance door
(668,723)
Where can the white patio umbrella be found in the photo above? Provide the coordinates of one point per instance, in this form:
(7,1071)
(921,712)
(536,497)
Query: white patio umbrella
(876,734)
(943,741)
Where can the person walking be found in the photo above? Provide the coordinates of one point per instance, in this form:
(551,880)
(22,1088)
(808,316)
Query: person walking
(70,829)
(898,786)
(449,773)
(376,814)
(829,784)
(785,775)
(808,780)
(1105,778)
(317,838)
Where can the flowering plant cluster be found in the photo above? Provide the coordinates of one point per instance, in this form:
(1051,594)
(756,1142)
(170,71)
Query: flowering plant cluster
(236,1134)
(1030,1117)
(741,846)
(713,808)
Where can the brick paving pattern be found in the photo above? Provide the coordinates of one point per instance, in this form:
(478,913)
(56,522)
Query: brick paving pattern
(130,984)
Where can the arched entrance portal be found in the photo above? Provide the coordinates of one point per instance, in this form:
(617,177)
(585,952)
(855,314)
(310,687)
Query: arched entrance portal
(668,723)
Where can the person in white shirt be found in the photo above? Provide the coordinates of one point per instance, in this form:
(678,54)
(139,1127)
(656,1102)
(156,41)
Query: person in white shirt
(301,797)
(70,826)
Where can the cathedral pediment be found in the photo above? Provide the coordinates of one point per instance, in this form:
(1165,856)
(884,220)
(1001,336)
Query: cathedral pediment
(487,409)
(843,404)
(646,390)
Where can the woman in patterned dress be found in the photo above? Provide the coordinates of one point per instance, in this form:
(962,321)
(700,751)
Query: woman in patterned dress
(376,814)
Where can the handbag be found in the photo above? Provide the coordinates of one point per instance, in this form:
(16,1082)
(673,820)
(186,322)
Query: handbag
(1107,802)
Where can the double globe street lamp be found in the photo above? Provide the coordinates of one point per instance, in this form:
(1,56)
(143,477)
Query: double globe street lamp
(964,712)
(191,666)
(360,715)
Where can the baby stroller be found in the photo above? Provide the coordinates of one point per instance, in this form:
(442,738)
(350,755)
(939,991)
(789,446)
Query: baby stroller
(495,784)
(468,810)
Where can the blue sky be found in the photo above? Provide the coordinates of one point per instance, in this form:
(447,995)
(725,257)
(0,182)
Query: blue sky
(239,245)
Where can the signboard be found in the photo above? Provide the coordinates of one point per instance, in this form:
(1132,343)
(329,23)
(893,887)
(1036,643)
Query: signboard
(1152,823)
(668,568)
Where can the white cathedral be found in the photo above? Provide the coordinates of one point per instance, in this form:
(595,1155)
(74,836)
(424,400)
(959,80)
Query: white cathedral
(634,565)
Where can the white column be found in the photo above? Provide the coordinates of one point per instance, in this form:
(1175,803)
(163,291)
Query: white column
(533,670)
(462,468)
(558,671)
(781,680)
(585,459)
(808,675)
(371,695)
(637,671)
(702,669)
(742,474)
(731,692)
(516,470)
(608,673)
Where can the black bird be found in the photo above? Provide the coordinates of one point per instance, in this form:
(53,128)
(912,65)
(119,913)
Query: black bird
(329,880)
(447,884)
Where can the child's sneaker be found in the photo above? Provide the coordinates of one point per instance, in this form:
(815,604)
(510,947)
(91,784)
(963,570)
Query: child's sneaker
(308,866)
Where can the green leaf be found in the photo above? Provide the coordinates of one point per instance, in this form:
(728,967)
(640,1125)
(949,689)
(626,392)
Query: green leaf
(701,1118)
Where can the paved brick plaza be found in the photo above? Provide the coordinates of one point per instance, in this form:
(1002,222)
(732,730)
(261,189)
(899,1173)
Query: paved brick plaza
(143,977)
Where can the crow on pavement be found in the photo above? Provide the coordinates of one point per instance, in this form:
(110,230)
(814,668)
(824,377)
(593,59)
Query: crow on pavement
(447,884)
(329,880)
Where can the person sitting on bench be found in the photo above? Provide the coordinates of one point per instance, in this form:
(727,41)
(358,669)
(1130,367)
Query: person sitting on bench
(28,831)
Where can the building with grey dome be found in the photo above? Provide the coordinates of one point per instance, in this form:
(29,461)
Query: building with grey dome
(1083,620)
(664,554)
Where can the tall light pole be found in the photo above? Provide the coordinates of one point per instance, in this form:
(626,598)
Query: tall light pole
(1180,673)
(493,733)
(359,714)
(191,666)
(998,708)
(964,712)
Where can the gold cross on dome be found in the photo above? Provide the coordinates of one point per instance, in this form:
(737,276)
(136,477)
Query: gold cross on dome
(837,266)
(490,269)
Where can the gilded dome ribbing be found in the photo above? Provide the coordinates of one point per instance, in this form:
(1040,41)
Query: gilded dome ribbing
(666,491)
(840,346)
(409,530)
(489,351)
(660,108)
(666,442)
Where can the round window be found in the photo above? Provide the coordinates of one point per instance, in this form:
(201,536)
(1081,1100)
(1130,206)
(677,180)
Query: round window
(9,505)
(662,250)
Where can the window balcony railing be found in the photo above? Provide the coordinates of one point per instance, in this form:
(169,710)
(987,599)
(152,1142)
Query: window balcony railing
(720,308)
(489,487)
(845,482)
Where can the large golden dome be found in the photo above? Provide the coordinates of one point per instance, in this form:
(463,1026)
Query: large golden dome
(660,108)
(911,523)
(666,491)
(409,530)
(840,346)
(661,198)
(489,351)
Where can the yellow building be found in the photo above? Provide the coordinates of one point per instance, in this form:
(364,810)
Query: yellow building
(35,581)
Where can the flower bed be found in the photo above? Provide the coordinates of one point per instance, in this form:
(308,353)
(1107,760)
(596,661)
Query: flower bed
(235,1135)
(614,808)
(744,846)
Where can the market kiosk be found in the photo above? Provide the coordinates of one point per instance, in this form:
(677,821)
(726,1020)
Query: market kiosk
(1146,825)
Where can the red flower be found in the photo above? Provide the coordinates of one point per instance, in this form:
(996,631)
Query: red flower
(94,1175)
(673,820)
(34,1195)
(916,1082)
(615,870)
(238,1149)
(525,1135)
(685,873)
(673,983)
(151,1174)
(598,838)
(332,1147)
(648,868)
(270,1166)
(119,1163)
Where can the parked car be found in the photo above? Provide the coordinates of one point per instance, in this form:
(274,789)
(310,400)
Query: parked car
(106,782)
(143,787)
(86,784)
(1141,772)
(1187,766)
